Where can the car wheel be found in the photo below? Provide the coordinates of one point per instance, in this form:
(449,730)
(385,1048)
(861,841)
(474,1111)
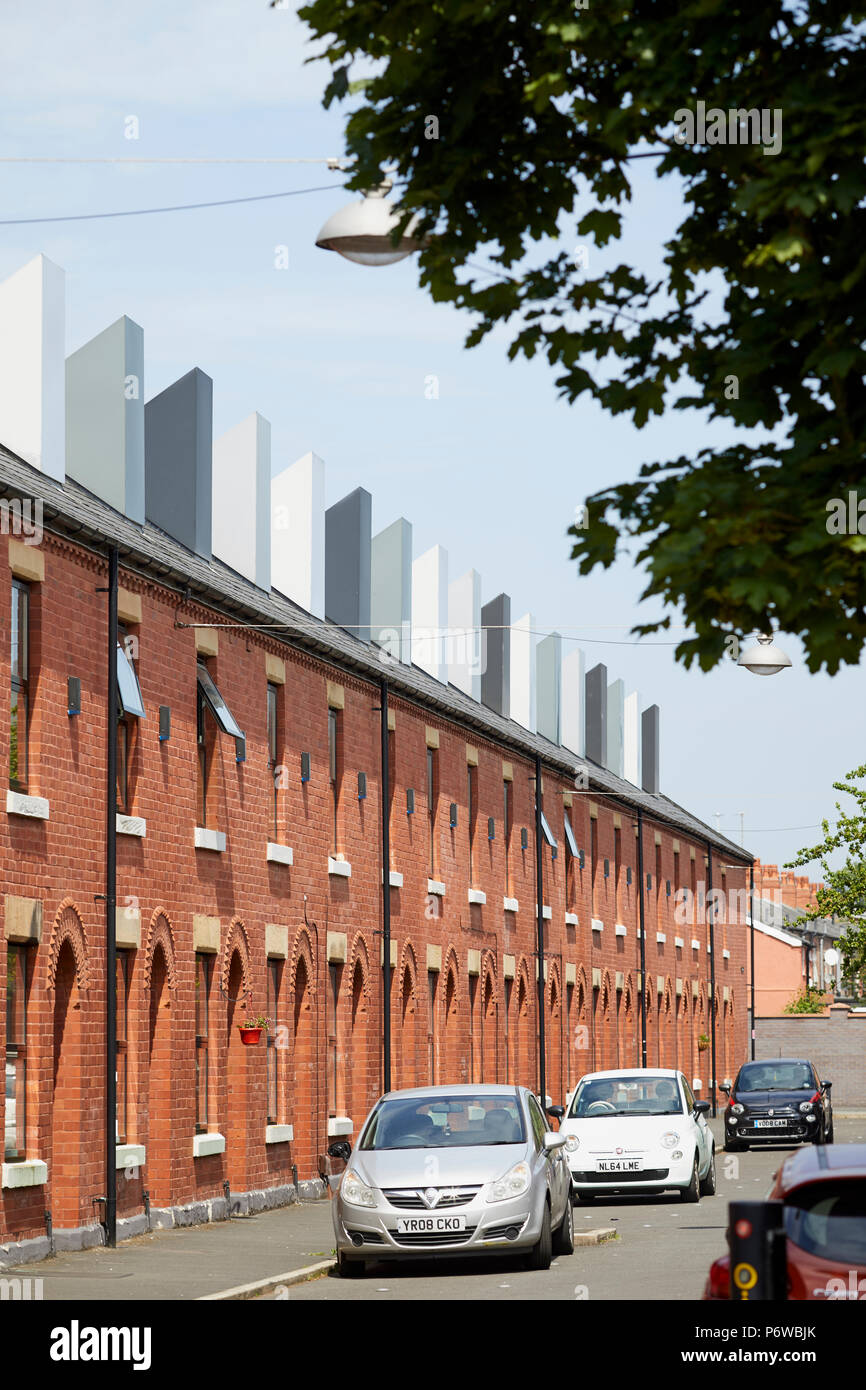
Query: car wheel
(563,1241)
(708,1184)
(350,1269)
(541,1253)
(692,1193)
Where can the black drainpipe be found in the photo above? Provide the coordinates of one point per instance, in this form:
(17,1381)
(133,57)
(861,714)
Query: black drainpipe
(386,893)
(643,1061)
(711,915)
(539,882)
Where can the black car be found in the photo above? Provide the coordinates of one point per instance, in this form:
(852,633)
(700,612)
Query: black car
(780,1101)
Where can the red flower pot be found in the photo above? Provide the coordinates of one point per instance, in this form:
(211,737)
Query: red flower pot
(250,1036)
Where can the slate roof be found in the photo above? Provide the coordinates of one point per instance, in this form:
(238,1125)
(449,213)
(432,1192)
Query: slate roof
(71,510)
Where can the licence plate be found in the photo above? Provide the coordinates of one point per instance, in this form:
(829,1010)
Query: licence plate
(418,1225)
(619,1165)
(770,1124)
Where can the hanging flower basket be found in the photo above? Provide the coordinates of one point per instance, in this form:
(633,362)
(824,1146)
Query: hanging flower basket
(251,1031)
(703,1043)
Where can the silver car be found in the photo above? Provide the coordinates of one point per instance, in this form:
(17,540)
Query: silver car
(456,1170)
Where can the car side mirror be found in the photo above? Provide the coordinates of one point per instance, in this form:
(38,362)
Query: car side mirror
(826,1085)
(341,1149)
(726,1090)
(553,1141)
(702,1107)
(557,1111)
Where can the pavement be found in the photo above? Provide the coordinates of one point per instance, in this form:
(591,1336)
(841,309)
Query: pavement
(195,1262)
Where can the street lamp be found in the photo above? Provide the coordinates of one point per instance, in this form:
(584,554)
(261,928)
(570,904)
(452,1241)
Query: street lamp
(765,659)
(362,231)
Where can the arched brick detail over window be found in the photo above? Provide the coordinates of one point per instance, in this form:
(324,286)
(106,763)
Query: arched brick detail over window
(525,1051)
(553,992)
(405,1058)
(302,950)
(160,932)
(359,959)
(68,926)
(450,1065)
(489,1020)
(236,940)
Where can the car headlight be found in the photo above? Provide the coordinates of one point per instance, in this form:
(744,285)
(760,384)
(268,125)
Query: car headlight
(354,1190)
(669,1139)
(806,1107)
(738,1109)
(515,1182)
(572,1143)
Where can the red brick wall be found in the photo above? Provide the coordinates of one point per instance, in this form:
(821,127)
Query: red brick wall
(592,1021)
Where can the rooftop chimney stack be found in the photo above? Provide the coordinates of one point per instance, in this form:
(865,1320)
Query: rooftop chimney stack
(32,369)
(650,750)
(298,533)
(596,714)
(178,461)
(523,672)
(496,676)
(430,612)
(348,543)
(465,638)
(548,657)
(105,417)
(242,499)
(391,590)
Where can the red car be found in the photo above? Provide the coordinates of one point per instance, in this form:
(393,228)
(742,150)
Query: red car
(824,1194)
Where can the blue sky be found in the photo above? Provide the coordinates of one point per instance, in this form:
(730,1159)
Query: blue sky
(336,357)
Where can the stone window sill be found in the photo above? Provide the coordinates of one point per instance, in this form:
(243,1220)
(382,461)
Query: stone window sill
(279,1134)
(18,804)
(129,1156)
(204,1144)
(477,896)
(395,879)
(339,1125)
(339,868)
(436,888)
(597,924)
(131,825)
(571,919)
(510,904)
(210,839)
(280,854)
(30,1172)
(620,930)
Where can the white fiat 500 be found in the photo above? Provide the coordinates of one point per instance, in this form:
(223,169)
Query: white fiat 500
(638,1132)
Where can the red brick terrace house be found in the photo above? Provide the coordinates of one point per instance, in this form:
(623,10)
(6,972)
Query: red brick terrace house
(250,874)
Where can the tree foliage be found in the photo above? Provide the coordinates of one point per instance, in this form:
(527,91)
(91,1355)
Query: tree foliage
(757,316)
(844,891)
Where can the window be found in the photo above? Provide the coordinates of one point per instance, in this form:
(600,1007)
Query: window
(122,766)
(203,971)
(571,862)
(210,703)
(617,858)
(128,688)
(547,832)
(15,1139)
(333,999)
(506,833)
(509,986)
(273,750)
(273,1013)
(392,783)
(471,816)
(20,703)
(122,1075)
(432,797)
(334,769)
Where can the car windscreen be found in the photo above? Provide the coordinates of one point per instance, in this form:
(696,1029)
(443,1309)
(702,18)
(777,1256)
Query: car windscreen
(445,1122)
(626,1095)
(829,1219)
(776,1076)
